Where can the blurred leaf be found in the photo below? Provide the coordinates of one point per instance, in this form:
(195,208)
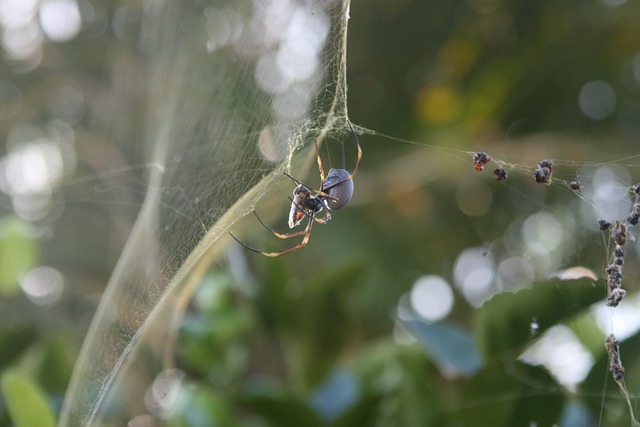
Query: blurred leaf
(585,327)
(404,382)
(503,324)
(336,395)
(200,406)
(18,253)
(315,320)
(576,414)
(451,348)
(26,403)
(57,363)
(321,325)
(510,394)
(283,410)
(538,400)
(478,401)
(363,413)
(575,273)
(212,334)
(14,342)
(275,302)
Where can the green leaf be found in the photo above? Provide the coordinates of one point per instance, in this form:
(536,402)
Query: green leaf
(503,324)
(13,342)
(398,387)
(199,405)
(450,347)
(336,395)
(18,253)
(58,357)
(283,411)
(275,302)
(576,413)
(322,327)
(532,407)
(509,394)
(26,402)
(363,413)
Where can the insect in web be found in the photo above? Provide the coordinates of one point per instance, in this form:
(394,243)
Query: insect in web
(335,193)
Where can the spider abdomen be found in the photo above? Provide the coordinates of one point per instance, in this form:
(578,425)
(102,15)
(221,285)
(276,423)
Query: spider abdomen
(338,184)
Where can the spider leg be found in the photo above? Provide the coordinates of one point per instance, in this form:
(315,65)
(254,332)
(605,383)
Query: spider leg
(244,245)
(355,168)
(321,193)
(319,160)
(302,244)
(325,219)
(355,136)
(281,235)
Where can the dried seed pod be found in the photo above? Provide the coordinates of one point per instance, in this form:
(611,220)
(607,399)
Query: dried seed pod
(615,364)
(604,225)
(615,296)
(480,159)
(501,174)
(634,217)
(542,173)
(619,233)
(575,186)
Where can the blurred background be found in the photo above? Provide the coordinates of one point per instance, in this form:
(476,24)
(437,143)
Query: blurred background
(438,297)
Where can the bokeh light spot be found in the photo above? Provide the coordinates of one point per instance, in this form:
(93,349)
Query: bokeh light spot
(542,230)
(515,273)
(24,42)
(15,14)
(31,168)
(608,191)
(474,198)
(597,100)
(43,285)
(439,104)
(60,19)
(473,274)
(432,297)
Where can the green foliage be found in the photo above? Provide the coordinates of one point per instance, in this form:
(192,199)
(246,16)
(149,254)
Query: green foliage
(503,324)
(14,342)
(26,402)
(57,358)
(18,253)
(315,325)
(285,411)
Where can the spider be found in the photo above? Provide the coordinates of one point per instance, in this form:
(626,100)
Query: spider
(335,192)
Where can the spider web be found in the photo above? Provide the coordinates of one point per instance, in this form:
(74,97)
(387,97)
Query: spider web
(224,120)
(235,92)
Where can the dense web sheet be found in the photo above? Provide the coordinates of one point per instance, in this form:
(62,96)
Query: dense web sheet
(236,91)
